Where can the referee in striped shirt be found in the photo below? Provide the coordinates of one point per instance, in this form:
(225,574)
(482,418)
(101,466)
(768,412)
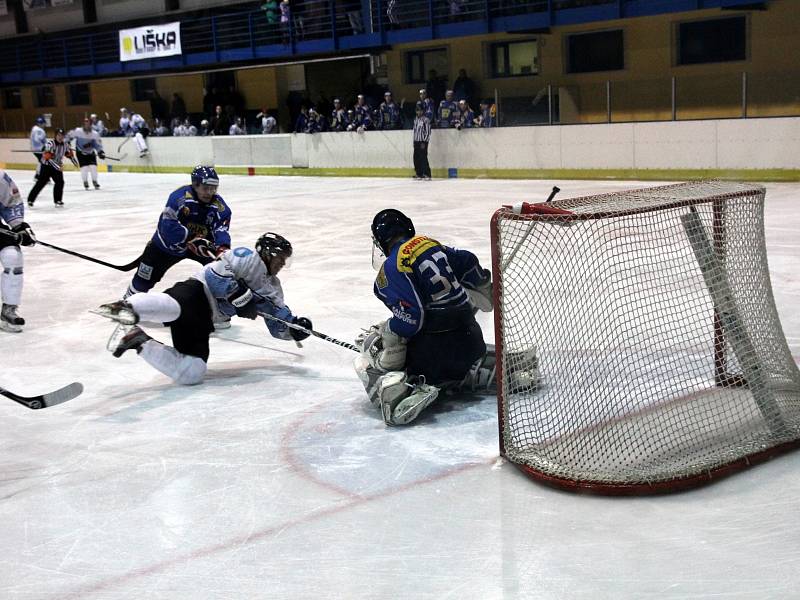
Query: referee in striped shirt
(422,137)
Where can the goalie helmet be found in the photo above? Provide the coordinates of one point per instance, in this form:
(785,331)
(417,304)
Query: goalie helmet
(271,245)
(388,225)
(205,175)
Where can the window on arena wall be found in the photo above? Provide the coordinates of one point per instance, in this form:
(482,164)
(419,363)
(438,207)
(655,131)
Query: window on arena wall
(12,98)
(78,94)
(420,62)
(595,51)
(143,89)
(44,96)
(514,59)
(712,41)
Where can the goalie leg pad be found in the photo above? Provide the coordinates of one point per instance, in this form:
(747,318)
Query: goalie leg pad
(369,377)
(482,375)
(402,401)
(522,368)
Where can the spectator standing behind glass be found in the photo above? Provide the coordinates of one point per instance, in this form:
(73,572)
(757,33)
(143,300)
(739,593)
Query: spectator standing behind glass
(268,122)
(487,117)
(466,118)
(302,120)
(177,109)
(422,138)
(447,111)
(388,113)
(427,105)
(219,122)
(237,128)
(159,130)
(464,87)
(435,87)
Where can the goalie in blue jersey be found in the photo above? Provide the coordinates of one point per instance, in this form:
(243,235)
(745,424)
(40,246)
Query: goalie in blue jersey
(432,341)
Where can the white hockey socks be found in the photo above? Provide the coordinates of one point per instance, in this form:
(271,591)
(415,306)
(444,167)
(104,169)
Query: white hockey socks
(93,171)
(155,307)
(85,174)
(181,368)
(11,279)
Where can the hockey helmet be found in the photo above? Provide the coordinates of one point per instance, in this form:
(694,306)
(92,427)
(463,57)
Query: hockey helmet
(58,131)
(203,175)
(271,245)
(40,120)
(388,225)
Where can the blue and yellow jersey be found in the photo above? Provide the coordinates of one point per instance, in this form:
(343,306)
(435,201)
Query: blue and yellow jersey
(421,274)
(185,218)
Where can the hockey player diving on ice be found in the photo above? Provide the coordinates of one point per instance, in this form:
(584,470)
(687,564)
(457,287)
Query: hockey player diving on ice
(432,341)
(242,282)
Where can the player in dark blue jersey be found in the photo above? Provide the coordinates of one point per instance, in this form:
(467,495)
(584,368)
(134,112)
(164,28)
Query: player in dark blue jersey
(432,340)
(194,224)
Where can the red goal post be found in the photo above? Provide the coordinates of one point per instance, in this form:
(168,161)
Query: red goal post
(660,359)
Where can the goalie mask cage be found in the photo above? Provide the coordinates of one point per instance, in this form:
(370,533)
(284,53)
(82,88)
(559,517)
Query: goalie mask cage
(661,359)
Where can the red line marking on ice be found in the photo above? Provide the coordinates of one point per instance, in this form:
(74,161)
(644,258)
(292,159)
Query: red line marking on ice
(262,534)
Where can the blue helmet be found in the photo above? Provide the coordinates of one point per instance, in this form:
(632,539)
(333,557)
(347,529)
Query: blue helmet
(40,120)
(389,224)
(205,175)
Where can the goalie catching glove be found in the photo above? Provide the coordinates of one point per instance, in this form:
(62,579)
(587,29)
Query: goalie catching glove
(481,293)
(383,349)
(25,235)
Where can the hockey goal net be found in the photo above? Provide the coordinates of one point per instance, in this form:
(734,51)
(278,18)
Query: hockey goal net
(661,359)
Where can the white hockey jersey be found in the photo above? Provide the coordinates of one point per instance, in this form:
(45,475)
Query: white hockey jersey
(12,209)
(221,278)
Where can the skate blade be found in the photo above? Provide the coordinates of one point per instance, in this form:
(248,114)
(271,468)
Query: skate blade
(124,317)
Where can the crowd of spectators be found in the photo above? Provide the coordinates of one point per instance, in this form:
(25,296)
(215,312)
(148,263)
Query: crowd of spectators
(225,113)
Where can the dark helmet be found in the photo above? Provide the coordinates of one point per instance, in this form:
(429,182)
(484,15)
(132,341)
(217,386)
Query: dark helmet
(205,175)
(388,225)
(271,245)
(40,120)
(57,131)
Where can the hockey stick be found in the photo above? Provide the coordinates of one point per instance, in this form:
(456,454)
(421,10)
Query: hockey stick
(68,392)
(117,158)
(131,265)
(125,141)
(322,336)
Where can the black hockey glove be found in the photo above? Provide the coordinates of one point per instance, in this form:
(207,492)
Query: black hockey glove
(244,301)
(101,155)
(202,247)
(297,335)
(25,234)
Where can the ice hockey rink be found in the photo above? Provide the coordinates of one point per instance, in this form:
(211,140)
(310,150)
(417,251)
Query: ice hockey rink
(276,479)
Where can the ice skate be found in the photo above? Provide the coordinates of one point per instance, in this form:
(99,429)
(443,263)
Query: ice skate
(223,324)
(132,339)
(119,311)
(10,320)
(86,185)
(96,185)
(59,203)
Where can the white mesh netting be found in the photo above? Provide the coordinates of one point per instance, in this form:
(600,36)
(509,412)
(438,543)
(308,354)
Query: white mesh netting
(660,352)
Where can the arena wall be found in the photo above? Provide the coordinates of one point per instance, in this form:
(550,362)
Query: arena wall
(761,149)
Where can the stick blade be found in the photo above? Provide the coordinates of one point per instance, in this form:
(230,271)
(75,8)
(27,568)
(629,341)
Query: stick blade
(68,392)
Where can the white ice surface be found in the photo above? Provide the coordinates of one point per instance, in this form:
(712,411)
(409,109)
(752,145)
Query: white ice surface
(277,479)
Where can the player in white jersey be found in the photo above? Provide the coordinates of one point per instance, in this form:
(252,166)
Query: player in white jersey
(98,125)
(14,232)
(87,147)
(38,140)
(243,282)
(134,125)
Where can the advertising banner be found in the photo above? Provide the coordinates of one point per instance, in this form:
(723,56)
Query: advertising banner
(150,42)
